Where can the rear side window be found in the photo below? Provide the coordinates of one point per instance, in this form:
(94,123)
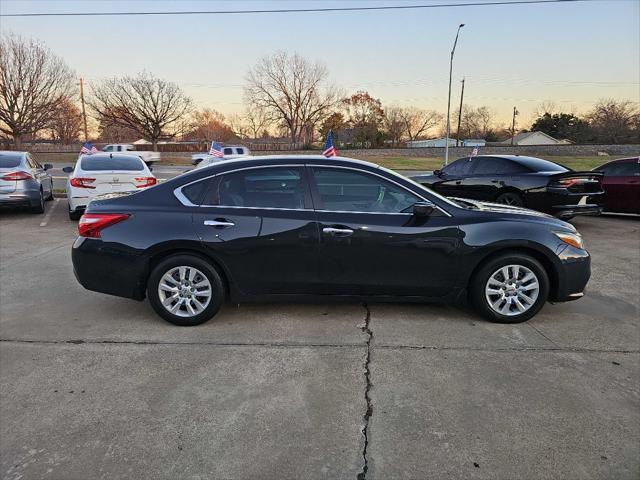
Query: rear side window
(91,163)
(240,151)
(496,166)
(10,161)
(195,191)
(274,187)
(541,165)
(228,151)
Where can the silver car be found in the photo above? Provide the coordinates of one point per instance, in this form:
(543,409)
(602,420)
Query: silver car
(24,182)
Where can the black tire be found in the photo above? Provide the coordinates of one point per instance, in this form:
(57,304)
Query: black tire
(510,198)
(74,215)
(208,270)
(39,208)
(480,279)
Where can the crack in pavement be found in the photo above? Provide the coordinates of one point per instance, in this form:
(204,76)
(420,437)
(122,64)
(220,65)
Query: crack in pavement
(367,394)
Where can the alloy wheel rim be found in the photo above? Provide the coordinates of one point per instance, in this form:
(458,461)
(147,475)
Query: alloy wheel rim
(508,200)
(184,291)
(512,290)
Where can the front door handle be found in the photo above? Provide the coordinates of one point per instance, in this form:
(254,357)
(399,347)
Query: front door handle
(458,182)
(222,223)
(337,232)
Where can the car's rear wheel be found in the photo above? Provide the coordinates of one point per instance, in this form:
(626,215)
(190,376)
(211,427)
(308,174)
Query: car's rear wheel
(510,198)
(185,290)
(39,207)
(74,215)
(510,288)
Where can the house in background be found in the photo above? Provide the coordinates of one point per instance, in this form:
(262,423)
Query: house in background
(474,142)
(533,138)
(434,142)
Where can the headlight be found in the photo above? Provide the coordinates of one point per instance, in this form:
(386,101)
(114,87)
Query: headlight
(573,239)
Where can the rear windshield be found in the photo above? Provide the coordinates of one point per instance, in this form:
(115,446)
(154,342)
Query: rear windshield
(540,165)
(10,161)
(115,163)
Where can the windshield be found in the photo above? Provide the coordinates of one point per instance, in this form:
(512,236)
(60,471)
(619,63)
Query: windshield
(91,163)
(422,187)
(10,161)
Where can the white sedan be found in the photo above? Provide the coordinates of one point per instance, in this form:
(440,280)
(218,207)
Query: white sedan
(104,173)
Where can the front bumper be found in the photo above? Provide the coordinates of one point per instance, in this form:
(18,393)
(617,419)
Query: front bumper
(573,275)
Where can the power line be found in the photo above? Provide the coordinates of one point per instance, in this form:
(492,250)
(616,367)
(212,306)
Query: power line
(292,10)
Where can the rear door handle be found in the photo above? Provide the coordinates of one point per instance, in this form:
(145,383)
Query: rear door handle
(219,223)
(337,232)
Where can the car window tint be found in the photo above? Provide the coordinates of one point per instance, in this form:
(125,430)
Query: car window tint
(92,163)
(195,191)
(228,151)
(461,166)
(621,169)
(349,191)
(540,165)
(240,151)
(10,161)
(272,187)
(496,166)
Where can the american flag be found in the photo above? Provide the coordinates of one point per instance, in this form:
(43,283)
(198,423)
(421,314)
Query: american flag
(474,152)
(216,150)
(329,149)
(88,149)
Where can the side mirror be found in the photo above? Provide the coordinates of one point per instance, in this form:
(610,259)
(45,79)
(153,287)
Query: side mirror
(437,173)
(47,166)
(423,209)
(150,168)
(67,169)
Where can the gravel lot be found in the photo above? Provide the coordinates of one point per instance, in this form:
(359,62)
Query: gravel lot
(95,387)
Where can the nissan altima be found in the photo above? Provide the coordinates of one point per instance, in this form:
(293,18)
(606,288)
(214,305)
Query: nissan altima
(311,227)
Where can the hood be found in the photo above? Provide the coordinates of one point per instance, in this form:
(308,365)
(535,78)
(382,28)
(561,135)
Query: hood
(516,213)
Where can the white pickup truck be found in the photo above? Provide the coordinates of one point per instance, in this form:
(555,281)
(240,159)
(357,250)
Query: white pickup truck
(229,151)
(147,157)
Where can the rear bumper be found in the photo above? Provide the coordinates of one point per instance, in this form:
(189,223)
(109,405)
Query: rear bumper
(25,198)
(110,268)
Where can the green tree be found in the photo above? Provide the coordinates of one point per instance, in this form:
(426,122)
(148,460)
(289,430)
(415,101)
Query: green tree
(365,116)
(563,125)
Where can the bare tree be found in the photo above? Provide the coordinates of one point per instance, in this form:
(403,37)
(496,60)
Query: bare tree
(251,123)
(418,122)
(33,81)
(292,90)
(615,121)
(476,122)
(67,122)
(147,104)
(394,124)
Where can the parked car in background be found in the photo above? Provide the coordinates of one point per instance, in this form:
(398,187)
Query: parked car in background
(148,157)
(311,227)
(621,185)
(229,151)
(102,173)
(24,182)
(521,182)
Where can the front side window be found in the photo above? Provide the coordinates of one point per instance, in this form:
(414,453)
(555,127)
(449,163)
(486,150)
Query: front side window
(273,187)
(496,166)
(349,191)
(459,167)
(108,148)
(228,151)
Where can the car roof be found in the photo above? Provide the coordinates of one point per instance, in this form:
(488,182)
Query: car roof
(523,160)
(12,152)
(300,159)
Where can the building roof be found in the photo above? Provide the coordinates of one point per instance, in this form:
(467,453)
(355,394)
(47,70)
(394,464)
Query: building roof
(523,135)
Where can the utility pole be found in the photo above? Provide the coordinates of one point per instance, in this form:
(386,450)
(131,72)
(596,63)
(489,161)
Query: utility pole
(460,115)
(453,50)
(513,124)
(84,113)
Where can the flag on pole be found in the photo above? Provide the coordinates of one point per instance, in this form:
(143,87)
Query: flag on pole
(216,150)
(474,152)
(88,149)
(329,150)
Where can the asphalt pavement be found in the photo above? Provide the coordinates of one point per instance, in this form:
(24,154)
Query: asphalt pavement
(93,386)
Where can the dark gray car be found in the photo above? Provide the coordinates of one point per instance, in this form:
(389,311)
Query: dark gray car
(24,182)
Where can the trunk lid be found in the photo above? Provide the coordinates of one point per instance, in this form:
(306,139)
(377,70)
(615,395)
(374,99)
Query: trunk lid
(577,182)
(7,186)
(110,181)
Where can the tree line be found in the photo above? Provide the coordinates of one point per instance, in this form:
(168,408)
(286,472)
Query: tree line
(285,95)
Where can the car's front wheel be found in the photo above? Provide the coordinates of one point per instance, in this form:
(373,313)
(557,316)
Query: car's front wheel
(510,288)
(185,290)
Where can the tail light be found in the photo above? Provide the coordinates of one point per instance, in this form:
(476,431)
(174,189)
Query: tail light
(91,224)
(82,182)
(13,176)
(569,182)
(143,182)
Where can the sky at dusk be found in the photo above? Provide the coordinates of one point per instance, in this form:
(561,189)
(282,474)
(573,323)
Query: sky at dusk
(516,55)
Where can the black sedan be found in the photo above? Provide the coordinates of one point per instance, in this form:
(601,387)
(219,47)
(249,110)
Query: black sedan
(312,227)
(520,181)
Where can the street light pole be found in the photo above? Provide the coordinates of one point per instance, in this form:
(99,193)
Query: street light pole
(453,50)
